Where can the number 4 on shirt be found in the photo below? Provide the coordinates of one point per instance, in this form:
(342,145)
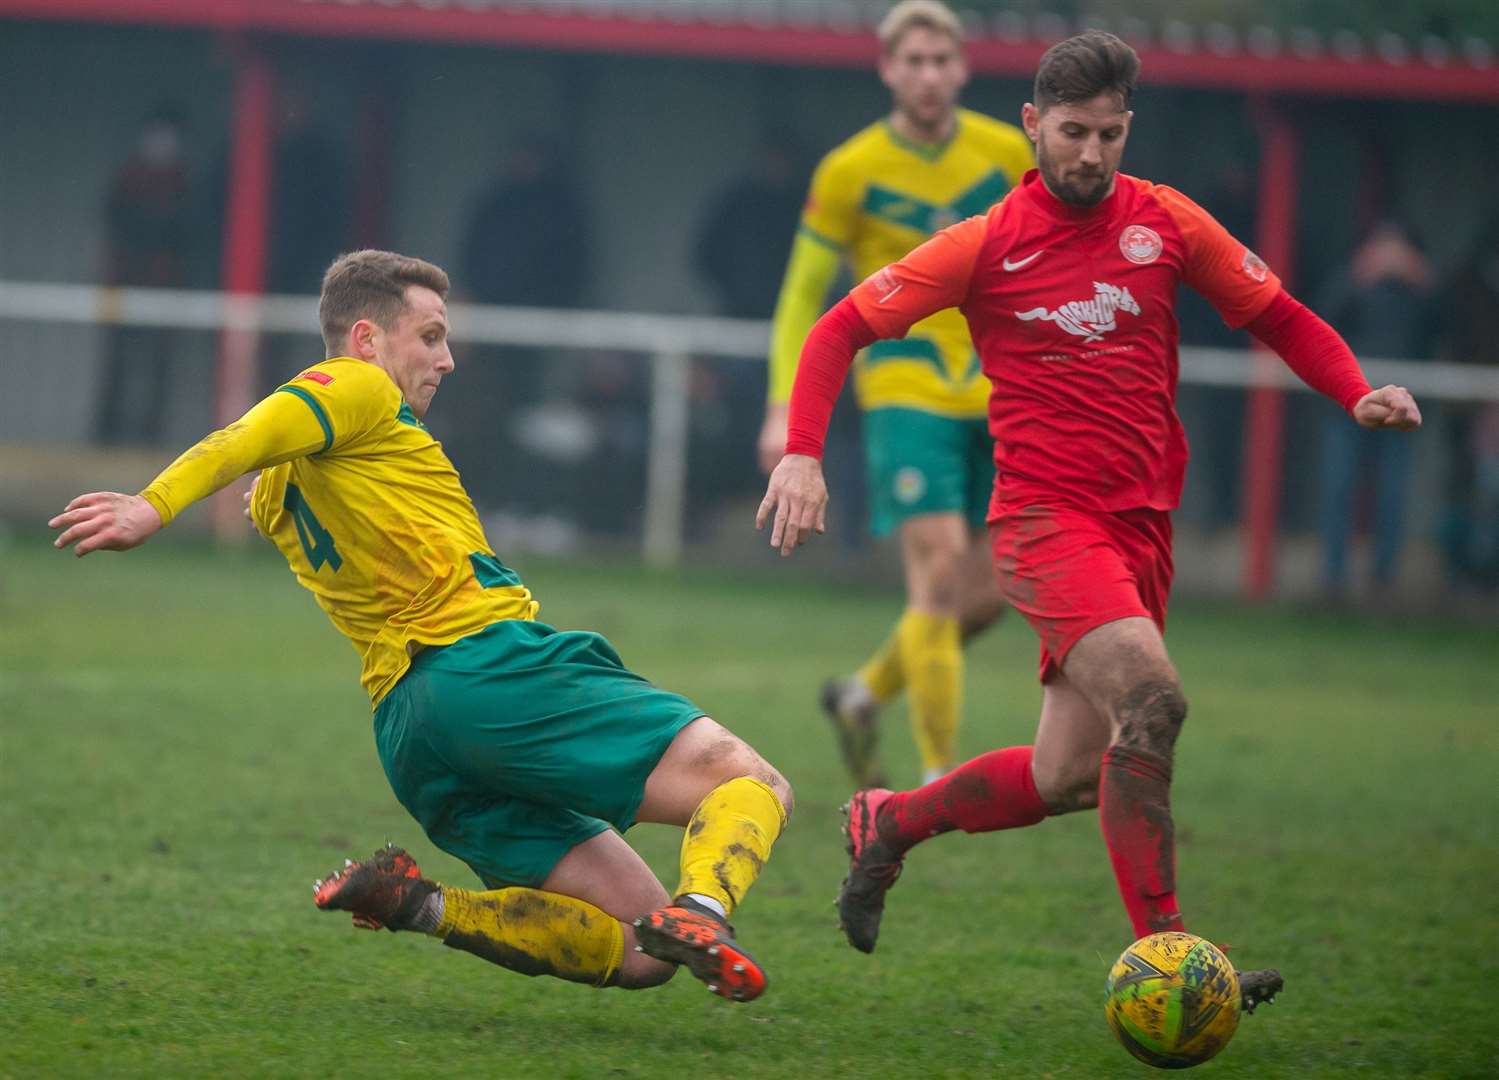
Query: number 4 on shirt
(317,542)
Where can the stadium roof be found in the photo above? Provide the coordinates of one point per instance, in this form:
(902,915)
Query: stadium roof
(838,33)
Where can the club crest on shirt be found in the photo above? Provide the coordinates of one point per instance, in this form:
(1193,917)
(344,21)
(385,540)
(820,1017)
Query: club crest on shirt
(1255,266)
(1140,244)
(1088,319)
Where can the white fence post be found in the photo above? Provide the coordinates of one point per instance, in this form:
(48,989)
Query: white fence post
(666,459)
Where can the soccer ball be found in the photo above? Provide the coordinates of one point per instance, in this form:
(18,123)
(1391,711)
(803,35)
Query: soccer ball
(1173,1000)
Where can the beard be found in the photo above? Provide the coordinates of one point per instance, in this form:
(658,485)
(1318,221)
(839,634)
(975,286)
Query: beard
(1084,190)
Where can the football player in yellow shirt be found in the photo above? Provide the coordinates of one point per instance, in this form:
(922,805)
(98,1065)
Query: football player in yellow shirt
(522,750)
(876,197)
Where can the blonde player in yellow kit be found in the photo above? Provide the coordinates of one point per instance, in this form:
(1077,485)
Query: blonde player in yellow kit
(927,446)
(522,750)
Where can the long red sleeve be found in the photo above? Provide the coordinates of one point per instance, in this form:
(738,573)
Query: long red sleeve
(1312,349)
(826,356)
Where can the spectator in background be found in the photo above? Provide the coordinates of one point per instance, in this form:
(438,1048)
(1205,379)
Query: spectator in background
(1216,413)
(147,228)
(1470,526)
(741,248)
(526,241)
(526,244)
(309,219)
(1383,305)
(310,199)
(745,237)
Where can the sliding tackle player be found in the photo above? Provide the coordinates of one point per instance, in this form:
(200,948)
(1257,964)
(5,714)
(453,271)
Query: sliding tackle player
(522,750)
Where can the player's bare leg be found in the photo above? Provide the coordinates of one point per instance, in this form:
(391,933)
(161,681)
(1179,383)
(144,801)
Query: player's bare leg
(951,596)
(853,702)
(601,917)
(1002,789)
(574,927)
(733,805)
(1122,669)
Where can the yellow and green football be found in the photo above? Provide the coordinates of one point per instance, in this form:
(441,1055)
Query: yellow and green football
(1173,1000)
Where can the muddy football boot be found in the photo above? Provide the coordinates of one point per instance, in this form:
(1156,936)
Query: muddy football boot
(1258,988)
(872,868)
(858,734)
(688,933)
(385,890)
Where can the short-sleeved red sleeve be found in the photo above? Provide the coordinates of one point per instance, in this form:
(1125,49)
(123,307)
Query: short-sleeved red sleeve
(1234,279)
(930,279)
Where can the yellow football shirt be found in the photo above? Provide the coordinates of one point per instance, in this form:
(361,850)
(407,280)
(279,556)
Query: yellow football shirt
(873,199)
(366,508)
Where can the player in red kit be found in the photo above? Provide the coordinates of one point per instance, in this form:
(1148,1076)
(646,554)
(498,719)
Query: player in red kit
(1068,286)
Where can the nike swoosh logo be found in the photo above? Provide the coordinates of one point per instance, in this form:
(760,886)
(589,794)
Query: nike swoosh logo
(1020,264)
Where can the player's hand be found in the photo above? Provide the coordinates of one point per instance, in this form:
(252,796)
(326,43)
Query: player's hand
(105,521)
(1388,407)
(772,445)
(796,502)
(249,501)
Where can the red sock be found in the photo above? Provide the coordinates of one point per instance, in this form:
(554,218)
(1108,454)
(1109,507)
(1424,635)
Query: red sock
(1134,808)
(993,791)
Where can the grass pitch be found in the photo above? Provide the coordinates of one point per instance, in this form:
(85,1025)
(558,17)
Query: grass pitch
(186,747)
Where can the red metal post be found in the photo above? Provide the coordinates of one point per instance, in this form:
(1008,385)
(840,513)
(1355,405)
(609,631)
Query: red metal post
(1265,417)
(246,221)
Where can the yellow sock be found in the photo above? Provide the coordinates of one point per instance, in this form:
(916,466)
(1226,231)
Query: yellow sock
(728,840)
(931,652)
(534,932)
(882,672)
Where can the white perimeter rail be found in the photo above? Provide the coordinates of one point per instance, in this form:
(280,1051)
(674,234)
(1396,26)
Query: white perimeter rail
(668,341)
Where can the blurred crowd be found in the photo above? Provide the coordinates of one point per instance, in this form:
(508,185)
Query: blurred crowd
(529,423)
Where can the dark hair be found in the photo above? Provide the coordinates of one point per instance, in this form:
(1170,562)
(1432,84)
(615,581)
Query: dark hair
(372,285)
(1084,66)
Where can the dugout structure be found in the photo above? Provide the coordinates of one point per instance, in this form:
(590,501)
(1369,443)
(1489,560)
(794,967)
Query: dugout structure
(1270,74)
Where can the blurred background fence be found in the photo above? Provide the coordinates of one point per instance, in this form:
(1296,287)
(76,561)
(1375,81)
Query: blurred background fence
(614,186)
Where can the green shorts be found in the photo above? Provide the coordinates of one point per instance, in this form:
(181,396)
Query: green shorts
(513,745)
(926,463)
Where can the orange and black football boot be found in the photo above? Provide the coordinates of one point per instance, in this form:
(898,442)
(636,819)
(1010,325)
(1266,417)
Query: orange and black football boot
(385,890)
(688,933)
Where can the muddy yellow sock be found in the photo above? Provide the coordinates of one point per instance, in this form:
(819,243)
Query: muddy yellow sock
(533,932)
(931,652)
(882,673)
(728,840)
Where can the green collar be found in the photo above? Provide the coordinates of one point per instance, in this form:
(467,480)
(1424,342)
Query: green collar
(925,151)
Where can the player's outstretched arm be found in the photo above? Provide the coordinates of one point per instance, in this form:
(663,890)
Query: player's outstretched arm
(1388,407)
(105,521)
(809,274)
(795,503)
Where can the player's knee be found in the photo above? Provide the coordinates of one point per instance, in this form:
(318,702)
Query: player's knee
(744,761)
(1067,786)
(641,972)
(1151,714)
(782,788)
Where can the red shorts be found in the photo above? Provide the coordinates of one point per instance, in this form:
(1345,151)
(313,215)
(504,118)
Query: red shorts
(1069,571)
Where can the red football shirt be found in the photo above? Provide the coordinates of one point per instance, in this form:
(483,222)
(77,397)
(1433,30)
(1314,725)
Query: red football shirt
(1072,313)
